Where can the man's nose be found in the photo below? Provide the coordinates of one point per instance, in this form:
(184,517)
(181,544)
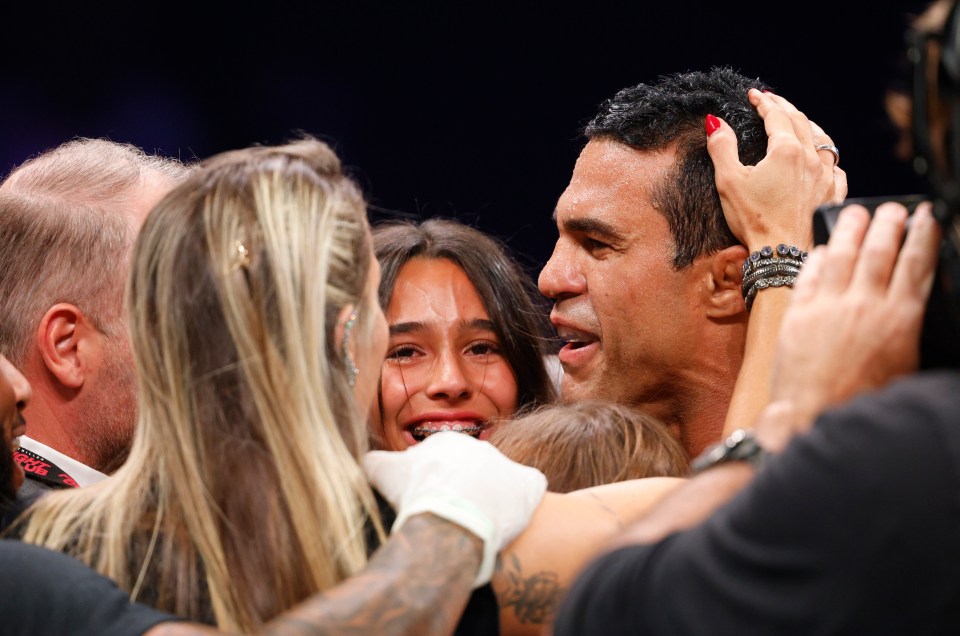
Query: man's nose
(560,277)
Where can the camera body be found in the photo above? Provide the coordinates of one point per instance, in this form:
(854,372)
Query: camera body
(935,130)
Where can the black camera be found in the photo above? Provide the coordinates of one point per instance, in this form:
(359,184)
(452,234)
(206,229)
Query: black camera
(935,104)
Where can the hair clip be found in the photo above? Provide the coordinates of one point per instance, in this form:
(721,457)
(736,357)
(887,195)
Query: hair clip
(242,257)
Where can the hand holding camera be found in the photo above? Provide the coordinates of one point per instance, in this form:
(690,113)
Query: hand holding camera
(854,321)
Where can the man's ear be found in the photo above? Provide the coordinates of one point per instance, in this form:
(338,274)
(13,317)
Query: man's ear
(723,295)
(62,339)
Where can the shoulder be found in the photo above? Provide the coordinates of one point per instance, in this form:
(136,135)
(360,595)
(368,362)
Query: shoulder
(54,593)
(881,477)
(908,428)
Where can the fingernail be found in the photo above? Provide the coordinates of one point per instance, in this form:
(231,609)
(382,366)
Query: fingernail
(712,124)
(767,91)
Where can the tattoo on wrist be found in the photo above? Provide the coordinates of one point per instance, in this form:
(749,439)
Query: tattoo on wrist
(533,598)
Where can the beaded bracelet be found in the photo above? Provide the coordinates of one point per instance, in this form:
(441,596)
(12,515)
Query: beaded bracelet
(767,253)
(777,269)
(764,283)
(770,267)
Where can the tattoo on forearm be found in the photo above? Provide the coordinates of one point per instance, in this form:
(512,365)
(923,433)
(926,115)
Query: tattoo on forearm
(417,583)
(533,598)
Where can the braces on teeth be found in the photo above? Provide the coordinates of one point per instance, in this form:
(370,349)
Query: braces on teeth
(420,431)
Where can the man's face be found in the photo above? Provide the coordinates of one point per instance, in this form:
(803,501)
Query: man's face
(626,314)
(110,407)
(15,393)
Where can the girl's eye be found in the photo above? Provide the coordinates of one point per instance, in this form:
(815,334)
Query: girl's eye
(483,349)
(402,352)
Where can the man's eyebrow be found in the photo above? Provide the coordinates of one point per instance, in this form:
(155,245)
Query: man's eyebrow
(591,226)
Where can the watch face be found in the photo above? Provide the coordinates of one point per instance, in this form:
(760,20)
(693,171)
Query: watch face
(740,446)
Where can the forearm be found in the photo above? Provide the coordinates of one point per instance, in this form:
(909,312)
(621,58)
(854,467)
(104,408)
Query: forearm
(566,532)
(419,582)
(752,390)
(689,504)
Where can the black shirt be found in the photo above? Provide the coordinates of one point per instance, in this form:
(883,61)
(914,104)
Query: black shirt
(854,529)
(45,592)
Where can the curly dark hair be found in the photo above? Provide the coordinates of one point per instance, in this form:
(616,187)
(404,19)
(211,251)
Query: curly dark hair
(671,112)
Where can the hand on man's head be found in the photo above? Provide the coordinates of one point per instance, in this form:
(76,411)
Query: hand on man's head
(773,201)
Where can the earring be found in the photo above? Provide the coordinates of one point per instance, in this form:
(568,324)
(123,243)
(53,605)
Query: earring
(352,369)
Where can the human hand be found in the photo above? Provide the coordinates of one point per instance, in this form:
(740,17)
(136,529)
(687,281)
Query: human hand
(773,202)
(464,480)
(854,320)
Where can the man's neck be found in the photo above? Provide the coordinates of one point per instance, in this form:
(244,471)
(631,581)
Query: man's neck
(703,425)
(51,422)
(694,405)
(696,417)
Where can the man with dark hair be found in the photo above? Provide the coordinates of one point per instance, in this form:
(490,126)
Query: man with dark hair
(646,275)
(835,512)
(832,515)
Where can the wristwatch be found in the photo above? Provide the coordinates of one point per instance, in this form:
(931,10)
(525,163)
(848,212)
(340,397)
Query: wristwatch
(740,446)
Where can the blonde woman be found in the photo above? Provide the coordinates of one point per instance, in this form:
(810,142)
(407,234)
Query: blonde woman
(257,339)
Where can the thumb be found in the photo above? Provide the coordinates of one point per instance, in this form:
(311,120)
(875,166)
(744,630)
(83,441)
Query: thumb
(722,146)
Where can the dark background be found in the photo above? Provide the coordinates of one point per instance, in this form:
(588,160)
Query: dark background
(470,110)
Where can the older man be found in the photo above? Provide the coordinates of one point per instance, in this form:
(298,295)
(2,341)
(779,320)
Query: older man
(646,275)
(68,219)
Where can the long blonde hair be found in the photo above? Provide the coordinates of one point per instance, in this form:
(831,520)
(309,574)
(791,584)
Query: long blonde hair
(242,494)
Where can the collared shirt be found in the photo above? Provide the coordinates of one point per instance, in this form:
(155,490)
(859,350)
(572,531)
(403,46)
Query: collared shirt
(81,473)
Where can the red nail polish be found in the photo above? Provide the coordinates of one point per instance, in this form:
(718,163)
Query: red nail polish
(712,124)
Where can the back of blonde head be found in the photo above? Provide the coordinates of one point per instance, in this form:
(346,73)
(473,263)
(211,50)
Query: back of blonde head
(590,443)
(242,493)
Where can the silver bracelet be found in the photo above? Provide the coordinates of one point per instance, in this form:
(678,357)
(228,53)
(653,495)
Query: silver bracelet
(770,267)
(764,283)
